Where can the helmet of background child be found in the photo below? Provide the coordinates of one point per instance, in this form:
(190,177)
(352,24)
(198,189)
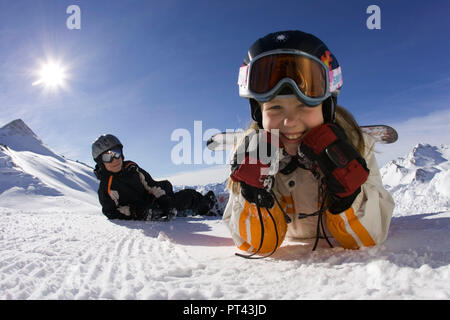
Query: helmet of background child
(299,44)
(104,143)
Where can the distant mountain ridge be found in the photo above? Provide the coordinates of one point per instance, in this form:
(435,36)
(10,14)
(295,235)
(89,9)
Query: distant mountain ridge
(420,181)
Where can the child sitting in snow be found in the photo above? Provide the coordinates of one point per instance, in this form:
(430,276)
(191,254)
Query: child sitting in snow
(127,191)
(328,173)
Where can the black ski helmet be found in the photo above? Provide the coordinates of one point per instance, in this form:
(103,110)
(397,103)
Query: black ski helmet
(303,42)
(104,143)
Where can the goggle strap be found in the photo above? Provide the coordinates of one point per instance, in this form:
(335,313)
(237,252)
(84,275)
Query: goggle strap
(243,75)
(335,79)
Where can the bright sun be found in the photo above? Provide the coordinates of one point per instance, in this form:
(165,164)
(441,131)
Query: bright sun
(52,75)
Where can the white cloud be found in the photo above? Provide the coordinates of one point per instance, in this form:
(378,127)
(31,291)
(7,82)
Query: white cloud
(433,128)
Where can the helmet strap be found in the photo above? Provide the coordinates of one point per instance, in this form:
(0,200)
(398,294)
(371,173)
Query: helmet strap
(329,109)
(256,113)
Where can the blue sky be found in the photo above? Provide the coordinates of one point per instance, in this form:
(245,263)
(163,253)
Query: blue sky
(141,69)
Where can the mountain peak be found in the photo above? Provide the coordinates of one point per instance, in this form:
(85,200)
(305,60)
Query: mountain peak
(425,154)
(17,127)
(18,136)
(419,180)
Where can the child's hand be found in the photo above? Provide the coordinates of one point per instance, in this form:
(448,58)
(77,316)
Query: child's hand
(255,168)
(344,169)
(256,160)
(258,196)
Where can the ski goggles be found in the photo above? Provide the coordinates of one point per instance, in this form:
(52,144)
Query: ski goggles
(310,78)
(109,155)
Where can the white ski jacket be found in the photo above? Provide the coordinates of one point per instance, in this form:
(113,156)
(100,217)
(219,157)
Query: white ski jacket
(365,223)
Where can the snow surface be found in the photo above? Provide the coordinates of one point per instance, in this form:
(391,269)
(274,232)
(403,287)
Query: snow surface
(56,244)
(58,255)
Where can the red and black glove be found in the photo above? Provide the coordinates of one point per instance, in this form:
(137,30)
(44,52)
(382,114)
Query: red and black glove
(344,169)
(252,170)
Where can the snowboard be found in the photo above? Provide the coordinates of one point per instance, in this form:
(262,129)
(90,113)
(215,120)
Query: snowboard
(226,140)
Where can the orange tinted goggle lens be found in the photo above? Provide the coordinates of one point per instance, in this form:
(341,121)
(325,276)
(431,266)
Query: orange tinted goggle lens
(309,75)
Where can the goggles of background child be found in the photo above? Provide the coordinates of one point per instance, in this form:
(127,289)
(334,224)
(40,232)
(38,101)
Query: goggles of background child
(308,76)
(108,156)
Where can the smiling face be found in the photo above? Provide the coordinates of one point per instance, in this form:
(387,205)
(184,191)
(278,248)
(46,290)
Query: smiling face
(114,166)
(292,118)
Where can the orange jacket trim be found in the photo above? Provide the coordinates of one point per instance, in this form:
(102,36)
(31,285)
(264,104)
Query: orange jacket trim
(243,223)
(250,228)
(336,225)
(358,228)
(348,230)
(288,204)
(109,184)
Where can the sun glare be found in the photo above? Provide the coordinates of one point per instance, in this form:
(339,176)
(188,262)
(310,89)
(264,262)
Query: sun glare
(52,75)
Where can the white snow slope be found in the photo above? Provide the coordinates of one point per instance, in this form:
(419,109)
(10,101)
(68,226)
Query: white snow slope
(59,249)
(33,177)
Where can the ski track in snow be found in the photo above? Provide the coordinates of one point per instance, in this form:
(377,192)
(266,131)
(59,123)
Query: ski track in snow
(85,256)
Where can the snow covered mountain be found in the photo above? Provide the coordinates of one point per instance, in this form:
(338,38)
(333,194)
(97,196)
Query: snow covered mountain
(420,181)
(18,136)
(33,177)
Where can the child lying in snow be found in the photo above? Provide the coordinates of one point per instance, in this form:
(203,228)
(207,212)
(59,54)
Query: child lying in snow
(329,170)
(127,191)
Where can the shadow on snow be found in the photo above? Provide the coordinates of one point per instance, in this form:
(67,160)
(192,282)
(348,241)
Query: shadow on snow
(181,230)
(413,241)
